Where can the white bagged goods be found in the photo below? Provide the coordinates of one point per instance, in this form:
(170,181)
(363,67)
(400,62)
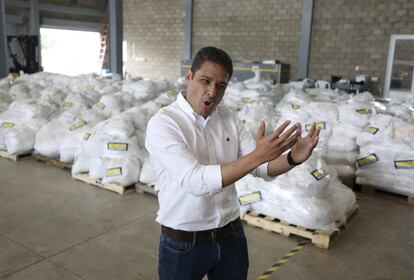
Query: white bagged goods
(19,141)
(357,114)
(83,123)
(31,110)
(166,98)
(335,157)
(297,197)
(387,165)
(81,164)
(96,168)
(124,171)
(143,90)
(117,127)
(343,138)
(379,128)
(109,105)
(72,124)
(115,147)
(147,174)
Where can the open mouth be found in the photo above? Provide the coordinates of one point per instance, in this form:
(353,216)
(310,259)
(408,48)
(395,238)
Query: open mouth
(207,103)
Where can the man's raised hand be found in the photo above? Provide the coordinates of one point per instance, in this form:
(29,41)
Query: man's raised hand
(270,147)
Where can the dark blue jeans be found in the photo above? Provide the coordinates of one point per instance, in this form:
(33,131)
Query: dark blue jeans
(192,261)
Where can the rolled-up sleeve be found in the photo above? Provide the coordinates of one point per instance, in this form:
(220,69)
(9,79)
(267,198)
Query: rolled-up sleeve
(166,146)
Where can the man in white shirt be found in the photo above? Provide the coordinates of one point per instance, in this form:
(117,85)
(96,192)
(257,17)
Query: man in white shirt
(199,149)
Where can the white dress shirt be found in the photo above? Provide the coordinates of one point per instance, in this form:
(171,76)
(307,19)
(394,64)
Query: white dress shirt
(186,152)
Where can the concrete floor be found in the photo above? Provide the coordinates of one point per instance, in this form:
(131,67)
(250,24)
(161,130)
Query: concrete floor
(52,227)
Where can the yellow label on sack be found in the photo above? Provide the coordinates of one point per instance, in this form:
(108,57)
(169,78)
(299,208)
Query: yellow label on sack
(67,104)
(86,136)
(364,111)
(320,125)
(404,164)
(117,171)
(171,93)
(89,87)
(8,125)
(247,100)
(295,106)
(250,198)
(118,146)
(371,129)
(100,105)
(77,125)
(367,160)
(319,174)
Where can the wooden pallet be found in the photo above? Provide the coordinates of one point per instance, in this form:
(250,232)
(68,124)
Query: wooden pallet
(115,187)
(146,188)
(5,154)
(370,190)
(319,238)
(52,161)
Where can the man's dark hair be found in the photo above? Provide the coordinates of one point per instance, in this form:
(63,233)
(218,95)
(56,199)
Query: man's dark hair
(215,55)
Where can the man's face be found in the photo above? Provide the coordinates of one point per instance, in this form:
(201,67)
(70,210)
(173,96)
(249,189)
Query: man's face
(206,88)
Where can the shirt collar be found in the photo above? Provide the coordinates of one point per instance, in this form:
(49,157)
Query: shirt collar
(188,109)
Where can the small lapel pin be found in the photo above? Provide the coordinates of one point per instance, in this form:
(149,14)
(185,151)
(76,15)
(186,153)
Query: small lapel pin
(227,139)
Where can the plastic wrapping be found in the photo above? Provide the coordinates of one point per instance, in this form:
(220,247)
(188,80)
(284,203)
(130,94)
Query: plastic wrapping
(313,201)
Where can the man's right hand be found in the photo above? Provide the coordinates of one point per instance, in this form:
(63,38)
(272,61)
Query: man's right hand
(270,147)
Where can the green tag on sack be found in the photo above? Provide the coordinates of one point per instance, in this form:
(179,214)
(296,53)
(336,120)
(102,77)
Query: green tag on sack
(100,105)
(171,93)
(371,129)
(77,125)
(367,160)
(86,136)
(8,125)
(123,147)
(117,171)
(320,125)
(404,164)
(295,106)
(250,198)
(364,111)
(319,174)
(67,104)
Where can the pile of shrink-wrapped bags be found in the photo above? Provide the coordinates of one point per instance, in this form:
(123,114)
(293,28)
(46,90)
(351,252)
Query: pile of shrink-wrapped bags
(113,150)
(90,104)
(310,195)
(33,104)
(238,94)
(5,98)
(340,119)
(386,157)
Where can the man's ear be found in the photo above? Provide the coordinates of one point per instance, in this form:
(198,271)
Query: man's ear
(188,75)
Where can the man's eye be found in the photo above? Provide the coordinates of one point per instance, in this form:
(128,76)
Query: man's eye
(205,81)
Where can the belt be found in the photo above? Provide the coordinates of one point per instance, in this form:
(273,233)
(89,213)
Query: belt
(211,236)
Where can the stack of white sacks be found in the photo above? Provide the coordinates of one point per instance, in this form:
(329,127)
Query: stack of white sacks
(310,195)
(386,158)
(339,116)
(298,197)
(113,150)
(79,112)
(33,104)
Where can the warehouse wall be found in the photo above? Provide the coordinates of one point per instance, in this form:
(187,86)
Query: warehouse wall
(347,33)
(154,31)
(250,30)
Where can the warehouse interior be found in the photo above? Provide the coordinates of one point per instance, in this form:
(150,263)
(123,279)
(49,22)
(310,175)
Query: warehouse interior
(78,193)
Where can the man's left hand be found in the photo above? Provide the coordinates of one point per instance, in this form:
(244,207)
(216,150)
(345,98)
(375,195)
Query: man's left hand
(302,150)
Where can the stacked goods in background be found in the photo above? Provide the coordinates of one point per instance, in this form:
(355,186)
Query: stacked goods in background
(386,157)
